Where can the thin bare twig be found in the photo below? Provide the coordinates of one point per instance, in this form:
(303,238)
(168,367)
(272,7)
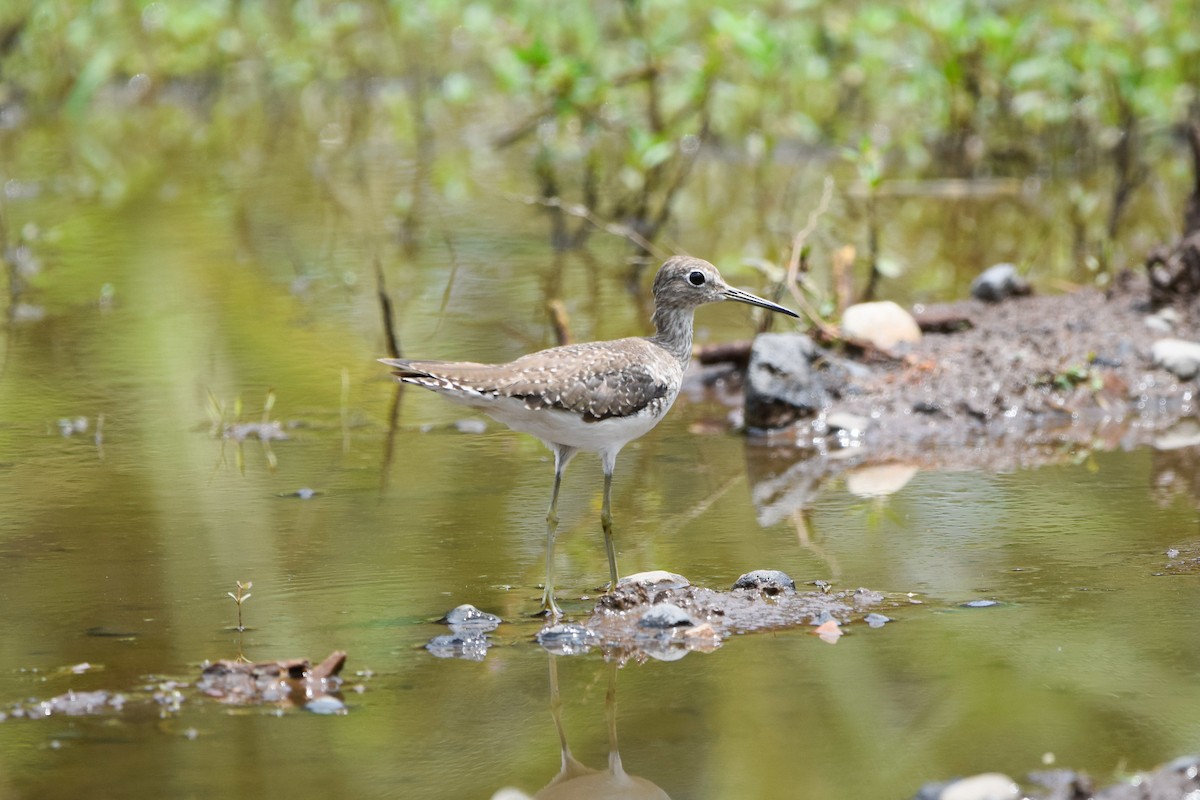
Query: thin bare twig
(792,278)
(583,212)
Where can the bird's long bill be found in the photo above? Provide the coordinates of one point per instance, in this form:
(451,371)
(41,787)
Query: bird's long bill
(731,293)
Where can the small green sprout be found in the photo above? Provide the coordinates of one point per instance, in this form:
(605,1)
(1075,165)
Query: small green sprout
(242,595)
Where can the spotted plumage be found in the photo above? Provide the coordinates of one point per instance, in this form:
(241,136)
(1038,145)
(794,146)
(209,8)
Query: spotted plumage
(595,397)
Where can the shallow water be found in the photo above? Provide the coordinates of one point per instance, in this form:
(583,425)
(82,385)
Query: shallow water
(118,543)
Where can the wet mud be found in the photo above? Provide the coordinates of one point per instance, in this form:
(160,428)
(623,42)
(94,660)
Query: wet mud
(286,684)
(1020,372)
(1015,384)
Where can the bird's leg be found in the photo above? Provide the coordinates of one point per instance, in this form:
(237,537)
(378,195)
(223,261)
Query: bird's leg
(549,607)
(606,522)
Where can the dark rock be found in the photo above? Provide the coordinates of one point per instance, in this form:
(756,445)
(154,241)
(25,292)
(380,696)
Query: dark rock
(767,581)
(789,378)
(943,321)
(998,282)
(1175,271)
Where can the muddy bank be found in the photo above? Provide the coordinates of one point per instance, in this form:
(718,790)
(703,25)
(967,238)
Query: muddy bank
(285,684)
(990,384)
(661,615)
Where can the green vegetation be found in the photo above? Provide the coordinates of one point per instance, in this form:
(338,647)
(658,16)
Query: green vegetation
(610,107)
(240,597)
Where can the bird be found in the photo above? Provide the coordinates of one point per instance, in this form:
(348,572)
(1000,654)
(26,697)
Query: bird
(593,397)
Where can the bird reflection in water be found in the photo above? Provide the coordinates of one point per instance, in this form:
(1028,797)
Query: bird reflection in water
(576,781)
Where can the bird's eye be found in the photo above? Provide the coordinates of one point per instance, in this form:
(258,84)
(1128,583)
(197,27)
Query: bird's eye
(696,278)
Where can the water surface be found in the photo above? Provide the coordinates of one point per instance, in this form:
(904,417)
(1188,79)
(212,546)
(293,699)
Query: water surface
(160,321)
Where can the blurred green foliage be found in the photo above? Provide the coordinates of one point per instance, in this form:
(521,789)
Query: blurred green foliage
(613,103)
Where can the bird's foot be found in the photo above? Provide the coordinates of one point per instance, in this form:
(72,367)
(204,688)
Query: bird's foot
(549,609)
(552,613)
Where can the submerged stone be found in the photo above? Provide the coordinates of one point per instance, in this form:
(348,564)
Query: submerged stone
(876,620)
(326,704)
(76,704)
(472,647)
(568,639)
(665,615)
(979,604)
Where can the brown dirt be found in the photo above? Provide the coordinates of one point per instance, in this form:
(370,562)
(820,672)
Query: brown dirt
(1029,372)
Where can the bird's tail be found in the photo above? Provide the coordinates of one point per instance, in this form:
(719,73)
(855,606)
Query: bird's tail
(403,368)
(448,377)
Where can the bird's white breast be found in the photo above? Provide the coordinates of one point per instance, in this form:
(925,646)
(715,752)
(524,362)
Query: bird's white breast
(555,426)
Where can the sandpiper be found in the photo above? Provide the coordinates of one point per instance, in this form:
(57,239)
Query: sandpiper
(596,397)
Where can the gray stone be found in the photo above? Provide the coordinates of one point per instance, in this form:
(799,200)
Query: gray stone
(469,618)
(998,282)
(655,579)
(767,581)
(876,620)
(1179,357)
(790,378)
(883,324)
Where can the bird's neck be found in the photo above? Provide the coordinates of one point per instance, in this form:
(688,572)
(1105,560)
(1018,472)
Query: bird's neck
(673,332)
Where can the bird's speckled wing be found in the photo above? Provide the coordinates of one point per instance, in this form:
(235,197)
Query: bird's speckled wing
(596,380)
